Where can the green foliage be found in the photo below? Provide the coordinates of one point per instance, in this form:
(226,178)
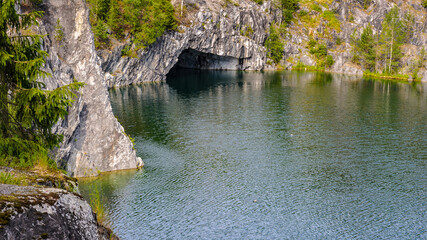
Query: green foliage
(365,49)
(27,113)
(329,61)
(302,67)
(226,2)
(393,35)
(115,19)
(59,31)
(8,178)
(246,31)
(338,41)
(288,8)
(366,3)
(95,202)
(146,20)
(249,31)
(274,44)
(382,52)
(319,52)
(316,8)
(389,76)
(101,35)
(424,3)
(259,1)
(415,74)
(421,57)
(303,13)
(322,58)
(332,20)
(311,43)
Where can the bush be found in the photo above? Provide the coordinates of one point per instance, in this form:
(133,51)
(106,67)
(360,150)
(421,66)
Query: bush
(101,35)
(274,44)
(322,58)
(288,8)
(319,52)
(59,32)
(316,8)
(329,61)
(332,20)
(312,43)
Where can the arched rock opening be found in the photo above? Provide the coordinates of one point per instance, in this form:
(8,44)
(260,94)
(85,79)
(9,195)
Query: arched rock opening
(193,59)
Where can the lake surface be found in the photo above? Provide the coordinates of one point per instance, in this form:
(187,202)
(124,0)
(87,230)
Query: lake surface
(275,155)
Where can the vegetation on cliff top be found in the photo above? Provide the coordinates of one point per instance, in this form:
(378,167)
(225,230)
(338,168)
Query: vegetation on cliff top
(380,54)
(143,20)
(27,113)
(274,42)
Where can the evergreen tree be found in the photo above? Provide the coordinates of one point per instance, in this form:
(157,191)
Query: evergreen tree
(392,37)
(101,34)
(115,19)
(274,45)
(288,8)
(366,47)
(27,113)
(100,8)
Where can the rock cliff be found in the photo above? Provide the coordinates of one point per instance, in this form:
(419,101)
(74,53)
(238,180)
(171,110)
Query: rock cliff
(218,35)
(231,34)
(94,141)
(45,204)
(353,16)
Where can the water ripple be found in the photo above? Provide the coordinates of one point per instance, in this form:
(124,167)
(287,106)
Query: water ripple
(271,156)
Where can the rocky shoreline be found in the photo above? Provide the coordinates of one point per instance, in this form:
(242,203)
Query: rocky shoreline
(46,205)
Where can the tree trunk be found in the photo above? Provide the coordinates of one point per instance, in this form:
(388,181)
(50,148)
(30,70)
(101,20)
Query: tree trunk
(182,3)
(4,111)
(391,48)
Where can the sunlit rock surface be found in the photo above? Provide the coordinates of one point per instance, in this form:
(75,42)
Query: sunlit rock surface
(94,141)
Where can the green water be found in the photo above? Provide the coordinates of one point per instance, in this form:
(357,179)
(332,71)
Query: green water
(324,156)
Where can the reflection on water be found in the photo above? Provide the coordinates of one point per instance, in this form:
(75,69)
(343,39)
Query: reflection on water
(325,156)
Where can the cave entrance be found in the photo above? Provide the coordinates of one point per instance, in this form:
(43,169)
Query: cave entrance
(193,59)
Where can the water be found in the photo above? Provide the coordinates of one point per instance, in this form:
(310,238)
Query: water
(324,156)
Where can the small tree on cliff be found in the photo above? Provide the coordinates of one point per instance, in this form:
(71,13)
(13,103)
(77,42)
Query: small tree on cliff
(274,44)
(288,9)
(27,113)
(392,37)
(366,48)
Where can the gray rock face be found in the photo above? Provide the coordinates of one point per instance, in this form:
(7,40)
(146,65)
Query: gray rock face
(94,141)
(353,17)
(220,37)
(46,213)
